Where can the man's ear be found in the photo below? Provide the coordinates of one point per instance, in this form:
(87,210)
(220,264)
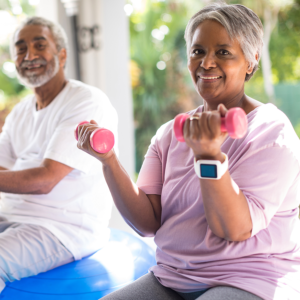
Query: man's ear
(62,56)
(250,68)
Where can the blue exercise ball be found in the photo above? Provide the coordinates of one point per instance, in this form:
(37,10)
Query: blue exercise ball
(124,259)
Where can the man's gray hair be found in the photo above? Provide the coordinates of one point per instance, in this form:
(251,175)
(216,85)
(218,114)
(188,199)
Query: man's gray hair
(240,22)
(59,35)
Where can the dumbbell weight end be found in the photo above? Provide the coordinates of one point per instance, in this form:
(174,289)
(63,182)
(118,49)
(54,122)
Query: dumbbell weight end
(235,123)
(101,140)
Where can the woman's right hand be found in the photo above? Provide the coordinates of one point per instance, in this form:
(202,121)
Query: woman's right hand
(84,133)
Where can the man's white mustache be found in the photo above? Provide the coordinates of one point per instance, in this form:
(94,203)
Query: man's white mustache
(28,64)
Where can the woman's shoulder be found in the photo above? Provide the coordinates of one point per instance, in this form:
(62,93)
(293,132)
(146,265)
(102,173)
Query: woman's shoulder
(268,126)
(267,118)
(266,111)
(270,138)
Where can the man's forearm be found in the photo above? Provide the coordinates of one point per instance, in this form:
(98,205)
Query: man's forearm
(29,181)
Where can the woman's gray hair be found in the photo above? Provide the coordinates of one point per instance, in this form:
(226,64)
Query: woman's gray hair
(59,35)
(240,22)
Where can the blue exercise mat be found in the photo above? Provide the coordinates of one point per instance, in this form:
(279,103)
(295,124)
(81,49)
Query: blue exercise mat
(124,259)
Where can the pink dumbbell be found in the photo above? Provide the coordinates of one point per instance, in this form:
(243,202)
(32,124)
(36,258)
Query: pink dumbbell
(235,123)
(101,140)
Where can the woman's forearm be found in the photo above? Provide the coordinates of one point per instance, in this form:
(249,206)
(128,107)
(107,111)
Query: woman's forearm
(226,208)
(141,212)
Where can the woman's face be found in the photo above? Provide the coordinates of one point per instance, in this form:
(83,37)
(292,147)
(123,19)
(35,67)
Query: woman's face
(217,64)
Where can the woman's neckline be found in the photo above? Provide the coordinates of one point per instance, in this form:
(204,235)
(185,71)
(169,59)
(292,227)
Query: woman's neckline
(201,108)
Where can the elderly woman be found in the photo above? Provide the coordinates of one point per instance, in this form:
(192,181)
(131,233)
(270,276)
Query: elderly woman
(236,237)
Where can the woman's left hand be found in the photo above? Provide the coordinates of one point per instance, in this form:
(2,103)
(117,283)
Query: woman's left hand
(202,133)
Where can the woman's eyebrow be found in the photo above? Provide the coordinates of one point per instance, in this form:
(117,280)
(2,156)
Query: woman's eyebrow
(225,45)
(218,45)
(196,45)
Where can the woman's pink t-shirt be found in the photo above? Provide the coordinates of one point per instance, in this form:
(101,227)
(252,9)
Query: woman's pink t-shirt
(265,164)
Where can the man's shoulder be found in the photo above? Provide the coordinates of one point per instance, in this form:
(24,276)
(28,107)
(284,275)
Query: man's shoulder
(79,97)
(25,103)
(79,89)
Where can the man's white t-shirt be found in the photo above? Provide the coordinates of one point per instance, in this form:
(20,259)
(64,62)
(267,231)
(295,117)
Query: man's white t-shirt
(78,208)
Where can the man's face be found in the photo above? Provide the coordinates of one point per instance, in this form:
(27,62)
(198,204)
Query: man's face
(36,57)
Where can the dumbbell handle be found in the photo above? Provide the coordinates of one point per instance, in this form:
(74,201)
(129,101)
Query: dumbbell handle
(223,124)
(235,123)
(101,140)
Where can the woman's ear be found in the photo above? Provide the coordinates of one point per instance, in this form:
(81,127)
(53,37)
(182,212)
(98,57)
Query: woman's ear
(250,67)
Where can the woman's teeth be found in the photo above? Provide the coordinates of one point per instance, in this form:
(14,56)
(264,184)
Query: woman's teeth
(211,77)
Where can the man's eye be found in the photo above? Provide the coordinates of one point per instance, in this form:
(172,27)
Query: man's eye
(41,46)
(21,50)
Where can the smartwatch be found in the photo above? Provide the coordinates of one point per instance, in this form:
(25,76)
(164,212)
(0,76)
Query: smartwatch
(211,169)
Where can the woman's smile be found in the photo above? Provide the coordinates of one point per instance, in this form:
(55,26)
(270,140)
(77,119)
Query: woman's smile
(211,78)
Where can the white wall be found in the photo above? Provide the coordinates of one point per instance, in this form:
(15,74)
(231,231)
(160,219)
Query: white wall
(106,68)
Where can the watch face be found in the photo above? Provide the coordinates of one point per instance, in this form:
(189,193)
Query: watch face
(209,171)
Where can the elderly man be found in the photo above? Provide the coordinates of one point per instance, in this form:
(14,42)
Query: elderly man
(55,204)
